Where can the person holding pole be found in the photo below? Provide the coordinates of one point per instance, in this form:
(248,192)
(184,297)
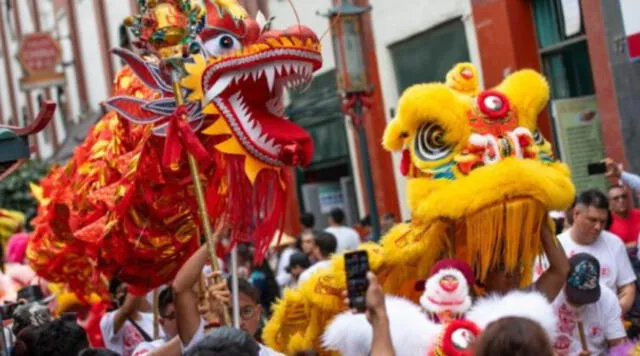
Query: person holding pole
(197,315)
(589,315)
(197,319)
(130,322)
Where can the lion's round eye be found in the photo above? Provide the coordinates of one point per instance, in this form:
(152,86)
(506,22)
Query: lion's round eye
(429,142)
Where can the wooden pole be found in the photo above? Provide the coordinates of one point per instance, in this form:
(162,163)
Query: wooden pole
(202,206)
(8,71)
(27,93)
(47,91)
(78,63)
(102,21)
(583,337)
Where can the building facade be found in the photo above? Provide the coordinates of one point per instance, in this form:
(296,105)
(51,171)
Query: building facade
(86,30)
(406,42)
(579,45)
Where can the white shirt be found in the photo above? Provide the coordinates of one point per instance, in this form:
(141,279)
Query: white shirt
(601,321)
(264,351)
(125,341)
(346,237)
(309,271)
(283,277)
(609,250)
(145,347)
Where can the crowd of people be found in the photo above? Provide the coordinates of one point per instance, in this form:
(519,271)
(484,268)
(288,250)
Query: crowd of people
(589,277)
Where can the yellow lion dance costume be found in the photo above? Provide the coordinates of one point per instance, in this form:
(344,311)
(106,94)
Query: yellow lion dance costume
(481,179)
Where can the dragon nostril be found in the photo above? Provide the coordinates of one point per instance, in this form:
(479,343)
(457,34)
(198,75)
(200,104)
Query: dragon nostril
(291,154)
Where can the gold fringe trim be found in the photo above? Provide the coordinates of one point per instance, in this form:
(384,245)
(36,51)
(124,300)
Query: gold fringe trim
(507,233)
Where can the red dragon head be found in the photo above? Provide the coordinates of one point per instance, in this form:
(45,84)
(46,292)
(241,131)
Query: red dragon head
(244,71)
(234,89)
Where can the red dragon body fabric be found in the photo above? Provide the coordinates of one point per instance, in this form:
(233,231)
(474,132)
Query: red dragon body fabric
(124,206)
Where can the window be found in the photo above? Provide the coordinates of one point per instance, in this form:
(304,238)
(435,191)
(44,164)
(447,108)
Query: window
(565,60)
(428,56)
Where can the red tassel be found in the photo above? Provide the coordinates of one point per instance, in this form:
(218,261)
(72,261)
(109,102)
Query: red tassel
(257,210)
(180,136)
(171,156)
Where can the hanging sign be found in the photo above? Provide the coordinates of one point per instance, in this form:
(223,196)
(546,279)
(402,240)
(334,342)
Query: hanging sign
(577,123)
(39,55)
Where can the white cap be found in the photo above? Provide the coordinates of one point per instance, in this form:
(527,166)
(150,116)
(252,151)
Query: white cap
(555,214)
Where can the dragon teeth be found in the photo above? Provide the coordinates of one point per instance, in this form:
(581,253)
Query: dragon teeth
(271,76)
(220,85)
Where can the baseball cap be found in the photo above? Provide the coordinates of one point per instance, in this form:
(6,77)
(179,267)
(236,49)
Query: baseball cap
(298,259)
(583,283)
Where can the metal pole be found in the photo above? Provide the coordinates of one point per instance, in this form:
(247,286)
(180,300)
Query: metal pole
(235,293)
(156,316)
(366,166)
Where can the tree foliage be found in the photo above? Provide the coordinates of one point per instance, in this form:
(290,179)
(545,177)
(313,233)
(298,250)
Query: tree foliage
(14,189)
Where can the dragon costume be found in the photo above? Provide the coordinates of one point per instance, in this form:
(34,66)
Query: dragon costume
(480,180)
(124,205)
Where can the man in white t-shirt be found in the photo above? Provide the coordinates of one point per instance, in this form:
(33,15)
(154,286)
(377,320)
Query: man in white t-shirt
(584,304)
(130,324)
(167,321)
(195,320)
(587,235)
(324,245)
(348,238)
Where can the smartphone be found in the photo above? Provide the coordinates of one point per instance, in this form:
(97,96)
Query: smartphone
(597,168)
(356,266)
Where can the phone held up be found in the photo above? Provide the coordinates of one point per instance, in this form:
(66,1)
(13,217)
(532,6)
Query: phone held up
(596,168)
(356,267)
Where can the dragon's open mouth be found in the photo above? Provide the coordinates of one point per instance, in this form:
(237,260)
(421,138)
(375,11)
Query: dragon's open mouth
(248,92)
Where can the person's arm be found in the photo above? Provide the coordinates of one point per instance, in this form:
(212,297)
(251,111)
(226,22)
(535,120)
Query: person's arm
(632,180)
(282,276)
(616,342)
(627,296)
(378,318)
(614,170)
(613,327)
(186,299)
(171,348)
(626,277)
(128,309)
(552,280)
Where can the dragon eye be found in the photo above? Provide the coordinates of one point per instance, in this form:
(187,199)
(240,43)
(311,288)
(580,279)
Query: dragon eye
(429,143)
(222,44)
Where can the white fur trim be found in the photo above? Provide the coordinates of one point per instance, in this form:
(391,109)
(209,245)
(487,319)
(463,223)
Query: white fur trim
(530,305)
(412,333)
(432,289)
